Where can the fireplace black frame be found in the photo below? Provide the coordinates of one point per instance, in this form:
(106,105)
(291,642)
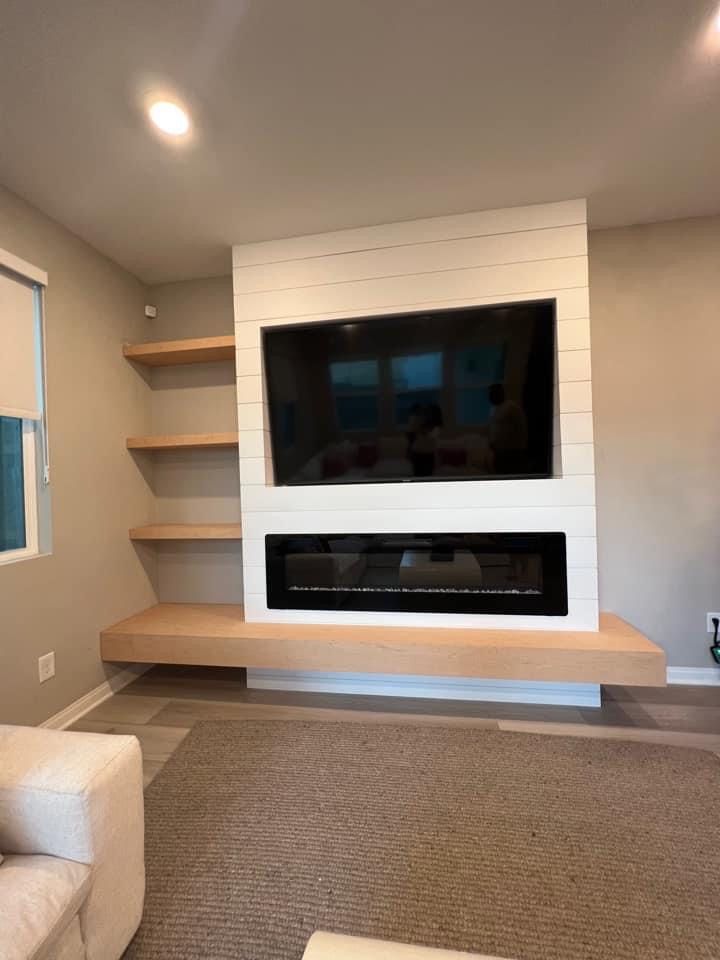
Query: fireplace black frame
(551,602)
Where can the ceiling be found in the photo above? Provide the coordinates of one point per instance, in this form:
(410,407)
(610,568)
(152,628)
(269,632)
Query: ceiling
(314,115)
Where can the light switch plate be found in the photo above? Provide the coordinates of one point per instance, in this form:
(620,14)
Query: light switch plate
(46,667)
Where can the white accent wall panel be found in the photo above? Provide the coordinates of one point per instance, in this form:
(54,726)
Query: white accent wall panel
(411,232)
(419,258)
(521,253)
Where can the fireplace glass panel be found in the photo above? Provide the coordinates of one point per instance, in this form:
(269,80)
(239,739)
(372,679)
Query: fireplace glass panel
(513,573)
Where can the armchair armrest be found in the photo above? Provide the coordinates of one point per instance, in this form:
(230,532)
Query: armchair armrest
(79,796)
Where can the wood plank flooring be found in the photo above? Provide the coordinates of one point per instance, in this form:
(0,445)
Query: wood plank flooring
(160,708)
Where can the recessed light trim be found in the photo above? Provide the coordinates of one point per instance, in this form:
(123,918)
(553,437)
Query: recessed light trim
(169,117)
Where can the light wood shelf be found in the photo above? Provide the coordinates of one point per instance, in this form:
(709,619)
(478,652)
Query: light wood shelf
(167,353)
(218,635)
(187,531)
(185,441)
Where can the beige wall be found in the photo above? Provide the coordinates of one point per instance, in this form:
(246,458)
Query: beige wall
(94,575)
(192,308)
(195,486)
(655,300)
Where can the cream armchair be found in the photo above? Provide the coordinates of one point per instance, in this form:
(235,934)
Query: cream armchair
(72,878)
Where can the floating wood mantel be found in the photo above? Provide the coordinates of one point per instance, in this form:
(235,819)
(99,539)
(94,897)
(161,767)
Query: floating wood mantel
(167,353)
(185,441)
(187,531)
(218,635)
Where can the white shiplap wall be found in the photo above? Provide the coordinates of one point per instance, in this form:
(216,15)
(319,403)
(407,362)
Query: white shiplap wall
(521,253)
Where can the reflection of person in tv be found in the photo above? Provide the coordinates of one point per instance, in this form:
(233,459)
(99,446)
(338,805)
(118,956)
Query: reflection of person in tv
(507,432)
(425,423)
(415,420)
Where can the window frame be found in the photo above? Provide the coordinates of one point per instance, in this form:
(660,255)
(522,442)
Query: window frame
(36,470)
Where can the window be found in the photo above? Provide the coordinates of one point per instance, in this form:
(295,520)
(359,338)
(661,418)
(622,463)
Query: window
(22,406)
(18,511)
(355,388)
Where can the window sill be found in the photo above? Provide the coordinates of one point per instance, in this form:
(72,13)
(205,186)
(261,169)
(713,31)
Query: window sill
(16,556)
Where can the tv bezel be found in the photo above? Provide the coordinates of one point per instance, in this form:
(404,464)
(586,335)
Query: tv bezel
(266,331)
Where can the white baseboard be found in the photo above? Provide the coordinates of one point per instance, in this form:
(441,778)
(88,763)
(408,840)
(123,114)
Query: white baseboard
(432,688)
(694,676)
(65,718)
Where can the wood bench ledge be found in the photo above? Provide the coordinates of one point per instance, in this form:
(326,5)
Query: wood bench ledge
(218,635)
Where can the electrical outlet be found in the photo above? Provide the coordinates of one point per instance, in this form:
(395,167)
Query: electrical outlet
(46,667)
(710,625)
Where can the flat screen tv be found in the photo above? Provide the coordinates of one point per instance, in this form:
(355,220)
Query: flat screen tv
(446,395)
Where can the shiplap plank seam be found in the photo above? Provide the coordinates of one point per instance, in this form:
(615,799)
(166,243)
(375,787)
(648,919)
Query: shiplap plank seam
(419,306)
(409,244)
(378,236)
(439,256)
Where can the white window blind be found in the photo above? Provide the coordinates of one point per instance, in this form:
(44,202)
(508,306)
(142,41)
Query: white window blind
(20,368)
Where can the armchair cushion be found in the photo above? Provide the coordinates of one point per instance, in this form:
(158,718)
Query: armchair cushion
(39,897)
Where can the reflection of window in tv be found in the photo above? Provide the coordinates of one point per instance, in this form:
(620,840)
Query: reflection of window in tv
(476,369)
(355,387)
(417,380)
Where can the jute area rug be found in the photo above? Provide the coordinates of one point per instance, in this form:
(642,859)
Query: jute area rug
(521,846)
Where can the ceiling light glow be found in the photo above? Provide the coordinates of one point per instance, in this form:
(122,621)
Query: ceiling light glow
(170,118)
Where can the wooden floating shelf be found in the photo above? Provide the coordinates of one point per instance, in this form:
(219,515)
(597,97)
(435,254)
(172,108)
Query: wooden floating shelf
(167,353)
(187,441)
(187,531)
(218,635)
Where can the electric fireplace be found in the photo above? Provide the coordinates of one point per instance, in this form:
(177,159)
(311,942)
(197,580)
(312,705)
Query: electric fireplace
(483,573)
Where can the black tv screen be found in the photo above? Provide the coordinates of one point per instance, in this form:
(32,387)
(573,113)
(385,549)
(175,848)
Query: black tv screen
(447,395)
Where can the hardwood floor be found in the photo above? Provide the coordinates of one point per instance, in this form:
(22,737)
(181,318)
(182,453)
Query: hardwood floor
(161,707)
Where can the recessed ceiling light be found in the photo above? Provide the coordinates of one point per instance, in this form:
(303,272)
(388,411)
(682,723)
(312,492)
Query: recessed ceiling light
(170,118)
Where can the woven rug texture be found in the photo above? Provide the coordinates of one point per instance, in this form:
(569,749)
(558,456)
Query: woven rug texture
(516,845)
